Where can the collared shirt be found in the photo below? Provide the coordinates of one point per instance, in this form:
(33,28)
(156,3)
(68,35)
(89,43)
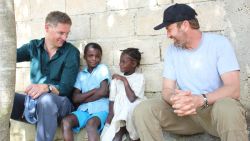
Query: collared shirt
(61,70)
(87,81)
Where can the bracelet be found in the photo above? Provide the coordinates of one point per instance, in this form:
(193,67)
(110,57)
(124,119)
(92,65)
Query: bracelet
(205,101)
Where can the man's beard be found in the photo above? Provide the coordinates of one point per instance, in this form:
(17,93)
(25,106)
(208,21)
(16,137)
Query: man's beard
(180,44)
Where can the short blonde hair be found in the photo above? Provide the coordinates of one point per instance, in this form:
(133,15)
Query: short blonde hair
(56,17)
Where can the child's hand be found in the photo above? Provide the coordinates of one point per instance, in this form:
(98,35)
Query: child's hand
(118,77)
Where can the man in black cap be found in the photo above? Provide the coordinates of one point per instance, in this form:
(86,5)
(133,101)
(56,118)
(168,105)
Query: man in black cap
(206,71)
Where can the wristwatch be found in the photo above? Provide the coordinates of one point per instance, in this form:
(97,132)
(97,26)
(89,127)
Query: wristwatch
(205,105)
(50,87)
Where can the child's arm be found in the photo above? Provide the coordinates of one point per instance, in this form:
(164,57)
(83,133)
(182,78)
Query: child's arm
(111,112)
(100,92)
(129,92)
(78,97)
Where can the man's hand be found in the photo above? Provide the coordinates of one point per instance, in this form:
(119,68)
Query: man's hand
(35,90)
(184,103)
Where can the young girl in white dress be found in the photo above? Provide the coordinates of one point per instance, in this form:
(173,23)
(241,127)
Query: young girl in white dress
(126,91)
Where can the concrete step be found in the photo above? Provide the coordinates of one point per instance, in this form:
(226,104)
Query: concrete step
(21,131)
(197,137)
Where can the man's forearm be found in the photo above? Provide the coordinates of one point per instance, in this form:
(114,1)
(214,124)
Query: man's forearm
(225,91)
(166,95)
(230,88)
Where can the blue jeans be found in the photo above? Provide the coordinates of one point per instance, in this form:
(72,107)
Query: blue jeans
(51,108)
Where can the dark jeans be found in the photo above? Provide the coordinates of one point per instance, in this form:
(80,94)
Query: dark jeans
(18,107)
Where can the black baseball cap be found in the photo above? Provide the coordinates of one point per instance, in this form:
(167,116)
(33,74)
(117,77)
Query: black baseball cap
(176,13)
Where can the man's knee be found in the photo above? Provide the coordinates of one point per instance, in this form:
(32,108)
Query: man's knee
(225,113)
(227,108)
(139,110)
(47,104)
(145,109)
(46,99)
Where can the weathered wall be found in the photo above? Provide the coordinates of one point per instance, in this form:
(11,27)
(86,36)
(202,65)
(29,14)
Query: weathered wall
(118,24)
(238,30)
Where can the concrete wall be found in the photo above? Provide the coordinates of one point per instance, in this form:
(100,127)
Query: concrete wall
(238,30)
(118,24)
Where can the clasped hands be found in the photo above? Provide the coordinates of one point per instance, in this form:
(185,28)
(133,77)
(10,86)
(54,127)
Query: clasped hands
(185,103)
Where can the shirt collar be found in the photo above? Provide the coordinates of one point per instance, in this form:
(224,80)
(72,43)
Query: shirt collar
(41,45)
(85,69)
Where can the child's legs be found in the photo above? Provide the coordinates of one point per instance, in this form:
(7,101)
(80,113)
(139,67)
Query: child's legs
(67,124)
(91,127)
(120,133)
(79,121)
(95,125)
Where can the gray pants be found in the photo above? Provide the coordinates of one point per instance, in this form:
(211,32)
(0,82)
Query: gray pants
(51,109)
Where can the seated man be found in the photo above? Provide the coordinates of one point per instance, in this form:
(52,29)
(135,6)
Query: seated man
(54,68)
(206,71)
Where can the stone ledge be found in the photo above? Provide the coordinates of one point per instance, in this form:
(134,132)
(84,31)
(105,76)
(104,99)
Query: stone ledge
(196,137)
(21,131)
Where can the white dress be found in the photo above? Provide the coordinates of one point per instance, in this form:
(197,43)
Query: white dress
(123,108)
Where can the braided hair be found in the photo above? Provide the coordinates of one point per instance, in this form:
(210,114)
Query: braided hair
(134,54)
